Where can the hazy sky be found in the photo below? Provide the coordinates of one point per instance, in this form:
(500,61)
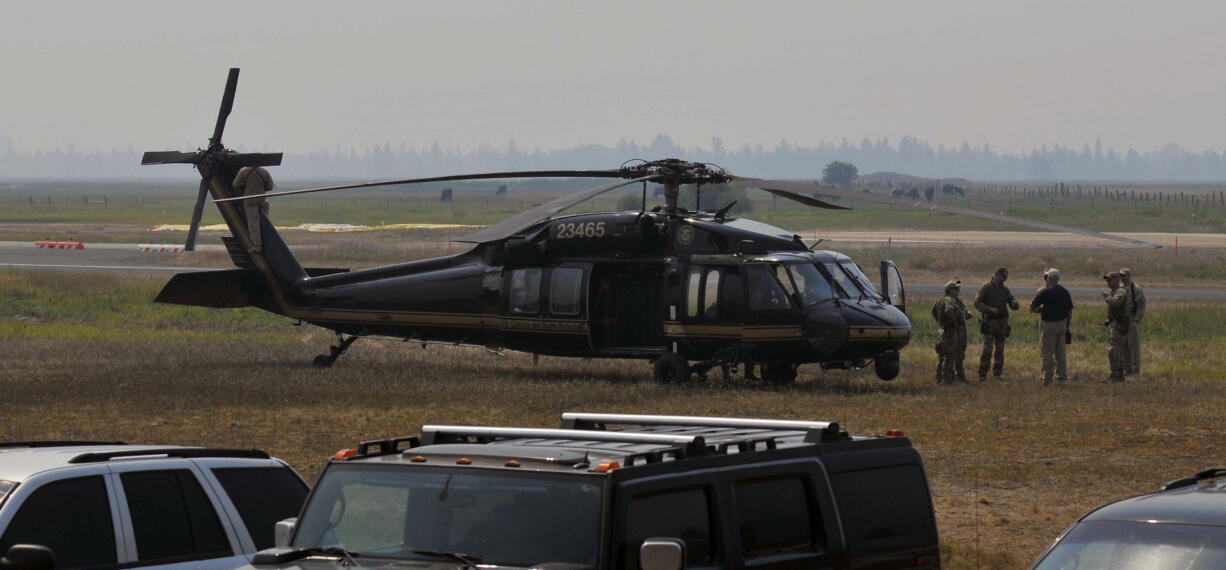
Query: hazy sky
(316,75)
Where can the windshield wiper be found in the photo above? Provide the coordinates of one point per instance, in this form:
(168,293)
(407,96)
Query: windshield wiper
(347,558)
(466,559)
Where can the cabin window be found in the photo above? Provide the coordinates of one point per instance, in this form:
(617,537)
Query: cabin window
(765,292)
(693,284)
(526,291)
(565,287)
(733,296)
(813,286)
(781,273)
(710,295)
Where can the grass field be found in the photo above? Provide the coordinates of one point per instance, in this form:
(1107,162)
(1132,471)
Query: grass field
(145,204)
(1011,463)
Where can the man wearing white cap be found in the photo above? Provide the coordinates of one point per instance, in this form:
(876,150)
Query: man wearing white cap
(1055,308)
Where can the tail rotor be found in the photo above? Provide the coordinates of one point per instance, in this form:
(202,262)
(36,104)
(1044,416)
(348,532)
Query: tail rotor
(213,160)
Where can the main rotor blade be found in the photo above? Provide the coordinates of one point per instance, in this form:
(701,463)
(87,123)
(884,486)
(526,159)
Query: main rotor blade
(806,200)
(168,157)
(523,220)
(194,228)
(227,103)
(801,187)
(482,176)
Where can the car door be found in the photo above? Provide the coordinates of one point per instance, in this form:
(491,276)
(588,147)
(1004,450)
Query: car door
(783,516)
(171,518)
(684,507)
(254,494)
(70,511)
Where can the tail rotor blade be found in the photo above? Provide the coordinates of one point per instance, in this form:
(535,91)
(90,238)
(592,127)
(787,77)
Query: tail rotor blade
(227,103)
(196,215)
(168,157)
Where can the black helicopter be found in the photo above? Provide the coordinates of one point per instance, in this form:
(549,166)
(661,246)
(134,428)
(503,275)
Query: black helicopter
(671,285)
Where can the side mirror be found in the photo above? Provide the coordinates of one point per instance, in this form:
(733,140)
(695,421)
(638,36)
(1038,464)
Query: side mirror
(283,531)
(28,557)
(662,554)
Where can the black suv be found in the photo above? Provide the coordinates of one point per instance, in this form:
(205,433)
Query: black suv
(1183,527)
(667,493)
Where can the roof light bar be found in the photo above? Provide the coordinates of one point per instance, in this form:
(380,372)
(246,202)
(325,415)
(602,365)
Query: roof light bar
(582,420)
(431,434)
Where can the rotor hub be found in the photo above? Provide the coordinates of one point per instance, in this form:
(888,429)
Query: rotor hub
(675,172)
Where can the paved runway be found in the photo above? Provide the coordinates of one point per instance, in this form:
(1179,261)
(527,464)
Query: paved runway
(126,258)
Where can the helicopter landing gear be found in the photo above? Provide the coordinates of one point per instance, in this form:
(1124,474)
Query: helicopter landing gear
(671,368)
(326,360)
(887,365)
(779,372)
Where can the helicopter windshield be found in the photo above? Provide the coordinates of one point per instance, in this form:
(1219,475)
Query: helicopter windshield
(846,285)
(861,279)
(813,286)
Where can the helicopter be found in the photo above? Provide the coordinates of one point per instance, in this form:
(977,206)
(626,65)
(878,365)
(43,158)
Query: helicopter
(688,290)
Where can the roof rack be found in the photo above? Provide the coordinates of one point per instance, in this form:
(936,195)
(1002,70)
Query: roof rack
(1211,473)
(175,452)
(60,443)
(452,434)
(583,420)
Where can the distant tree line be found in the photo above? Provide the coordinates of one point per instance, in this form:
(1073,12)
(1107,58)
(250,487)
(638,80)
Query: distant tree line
(909,155)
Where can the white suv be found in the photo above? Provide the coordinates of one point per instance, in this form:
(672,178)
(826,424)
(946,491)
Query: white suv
(111,505)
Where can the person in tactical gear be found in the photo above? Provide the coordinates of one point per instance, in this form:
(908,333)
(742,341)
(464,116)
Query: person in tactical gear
(1055,308)
(1117,324)
(993,303)
(951,316)
(1134,305)
(253,181)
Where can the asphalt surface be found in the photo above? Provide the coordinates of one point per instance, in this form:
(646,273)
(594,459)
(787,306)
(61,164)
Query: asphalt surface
(127,258)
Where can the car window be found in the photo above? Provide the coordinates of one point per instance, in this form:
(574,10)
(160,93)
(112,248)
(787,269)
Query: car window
(526,291)
(1122,545)
(263,496)
(883,503)
(565,290)
(72,517)
(172,518)
(774,516)
(674,514)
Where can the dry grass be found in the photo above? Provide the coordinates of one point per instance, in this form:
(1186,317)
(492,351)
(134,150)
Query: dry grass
(1011,463)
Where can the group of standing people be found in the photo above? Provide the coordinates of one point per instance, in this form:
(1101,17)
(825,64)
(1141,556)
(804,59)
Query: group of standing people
(1054,305)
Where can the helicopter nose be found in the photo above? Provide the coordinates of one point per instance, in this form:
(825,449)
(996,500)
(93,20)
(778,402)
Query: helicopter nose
(825,329)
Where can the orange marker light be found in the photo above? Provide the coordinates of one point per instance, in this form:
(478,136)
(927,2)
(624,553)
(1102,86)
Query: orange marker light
(894,433)
(344,454)
(417,459)
(512,463)
(607,466)
(463,461)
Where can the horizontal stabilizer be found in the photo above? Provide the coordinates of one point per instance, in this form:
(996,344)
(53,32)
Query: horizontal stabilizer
(225,289)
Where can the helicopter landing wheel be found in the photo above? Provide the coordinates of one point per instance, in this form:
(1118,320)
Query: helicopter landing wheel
(671,368)
(322,361)
(779,372)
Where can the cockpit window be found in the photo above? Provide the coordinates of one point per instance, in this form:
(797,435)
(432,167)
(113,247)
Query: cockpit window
(765,291)
(781,273)
(846,285)
(812,284)
(861,278)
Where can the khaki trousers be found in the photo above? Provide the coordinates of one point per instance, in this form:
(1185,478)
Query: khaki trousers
(1134,349)
(1052,350)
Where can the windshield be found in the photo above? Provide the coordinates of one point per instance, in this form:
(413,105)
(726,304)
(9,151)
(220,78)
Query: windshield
(861,278)
(5,487)
(1139,546)
(847,286)
(504,518)
(814,288)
